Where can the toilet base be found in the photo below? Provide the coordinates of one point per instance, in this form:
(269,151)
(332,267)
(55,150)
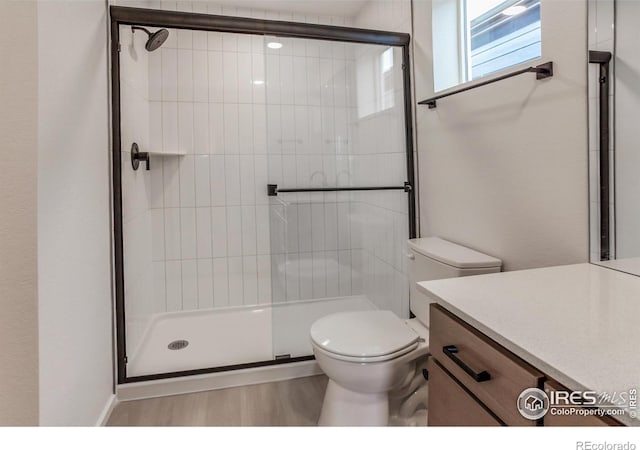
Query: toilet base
(342,407)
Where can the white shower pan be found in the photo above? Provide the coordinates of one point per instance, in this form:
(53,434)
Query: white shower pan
(233,336)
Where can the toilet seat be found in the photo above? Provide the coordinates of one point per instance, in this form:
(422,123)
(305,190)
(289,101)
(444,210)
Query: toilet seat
(369,359)
(363,336)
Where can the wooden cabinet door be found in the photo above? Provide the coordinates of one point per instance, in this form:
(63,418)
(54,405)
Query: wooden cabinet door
(451,405)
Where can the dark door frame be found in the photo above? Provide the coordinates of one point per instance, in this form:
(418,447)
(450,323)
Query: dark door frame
(206,22)
(603,59)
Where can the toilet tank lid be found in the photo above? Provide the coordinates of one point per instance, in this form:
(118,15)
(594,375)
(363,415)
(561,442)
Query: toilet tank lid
(453,254)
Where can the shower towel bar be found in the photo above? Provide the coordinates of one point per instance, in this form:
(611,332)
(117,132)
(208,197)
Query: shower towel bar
(542,71)
(273,190)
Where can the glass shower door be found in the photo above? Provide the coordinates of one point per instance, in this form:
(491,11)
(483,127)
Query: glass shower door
(197,264)
(216,272)
(335,119)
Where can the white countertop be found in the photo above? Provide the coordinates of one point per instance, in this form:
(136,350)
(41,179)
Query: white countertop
(578,324)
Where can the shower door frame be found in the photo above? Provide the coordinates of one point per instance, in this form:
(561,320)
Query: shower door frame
(229,24)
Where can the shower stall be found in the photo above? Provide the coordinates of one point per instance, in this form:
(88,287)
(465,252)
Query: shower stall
(263,177)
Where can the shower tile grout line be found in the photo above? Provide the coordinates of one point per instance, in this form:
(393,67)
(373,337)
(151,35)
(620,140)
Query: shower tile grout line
(179,182)
(164,226)
(209,160)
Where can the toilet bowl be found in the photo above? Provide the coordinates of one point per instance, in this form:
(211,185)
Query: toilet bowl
(365,354)
(368,354)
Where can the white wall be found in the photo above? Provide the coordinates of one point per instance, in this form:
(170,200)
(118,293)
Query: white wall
(387,15)
(18,252)
(503,169)
(73,213)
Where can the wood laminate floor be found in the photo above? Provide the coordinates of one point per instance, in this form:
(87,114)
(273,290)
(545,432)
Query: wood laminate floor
(284,403)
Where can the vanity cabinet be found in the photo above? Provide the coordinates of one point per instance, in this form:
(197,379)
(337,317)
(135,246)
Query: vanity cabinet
(476,382)
(486,371)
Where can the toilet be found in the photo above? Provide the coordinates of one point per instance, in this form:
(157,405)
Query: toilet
(368,354)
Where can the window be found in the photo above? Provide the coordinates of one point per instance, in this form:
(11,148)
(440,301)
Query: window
(386,79)
(376,79)
(490,35)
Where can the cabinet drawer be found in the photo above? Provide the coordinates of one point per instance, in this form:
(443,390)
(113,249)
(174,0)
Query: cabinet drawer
(470,353)
(574,420)
(451,405)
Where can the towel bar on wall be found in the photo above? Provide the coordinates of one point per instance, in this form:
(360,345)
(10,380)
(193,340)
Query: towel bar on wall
(542,71)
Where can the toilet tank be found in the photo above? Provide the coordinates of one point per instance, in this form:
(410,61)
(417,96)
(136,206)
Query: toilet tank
(433,258)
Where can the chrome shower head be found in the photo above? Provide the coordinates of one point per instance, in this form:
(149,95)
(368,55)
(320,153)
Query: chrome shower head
(155,39)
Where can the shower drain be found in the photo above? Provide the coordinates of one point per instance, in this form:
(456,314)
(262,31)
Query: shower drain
(178,345)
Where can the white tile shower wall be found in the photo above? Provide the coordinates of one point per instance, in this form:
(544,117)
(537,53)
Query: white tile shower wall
(305,131)
(214,229)
(601,27)
(308,110)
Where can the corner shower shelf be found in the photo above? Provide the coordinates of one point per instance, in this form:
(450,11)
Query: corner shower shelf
(137,156)
(172,153)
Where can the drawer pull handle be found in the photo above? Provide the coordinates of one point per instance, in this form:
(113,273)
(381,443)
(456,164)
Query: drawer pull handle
(451,350)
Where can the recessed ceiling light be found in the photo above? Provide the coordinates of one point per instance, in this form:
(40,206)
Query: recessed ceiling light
(514,10)
(258,82)
(274,45)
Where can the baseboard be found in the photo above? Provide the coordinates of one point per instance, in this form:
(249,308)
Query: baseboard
(218,380)
(107,410)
